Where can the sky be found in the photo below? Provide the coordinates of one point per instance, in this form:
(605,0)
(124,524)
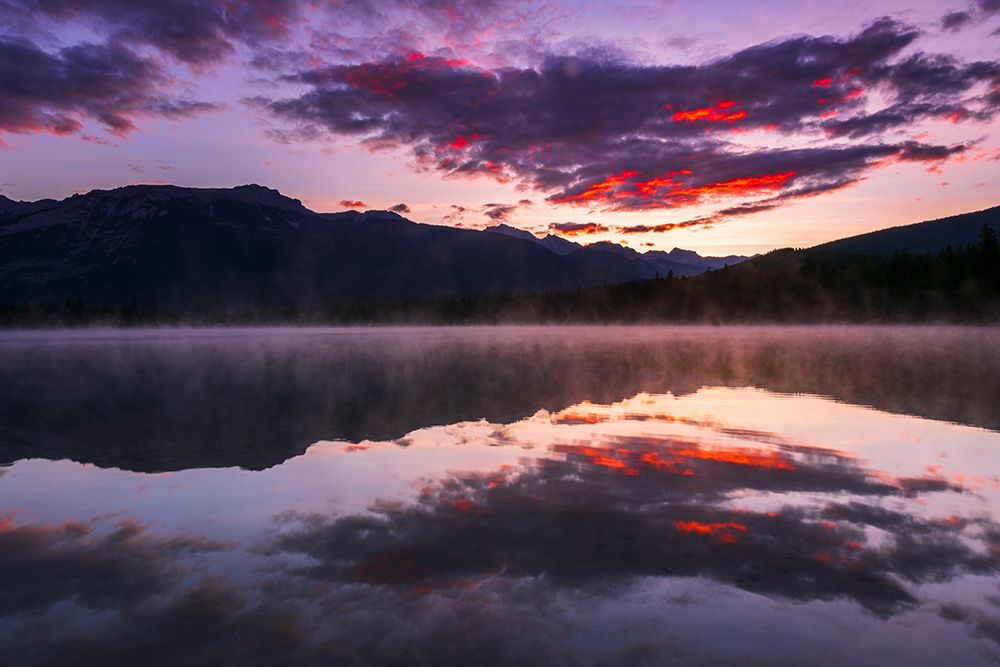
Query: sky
(715,126)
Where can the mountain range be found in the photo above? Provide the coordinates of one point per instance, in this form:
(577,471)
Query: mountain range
(680,262)
(252,247)
(919,238)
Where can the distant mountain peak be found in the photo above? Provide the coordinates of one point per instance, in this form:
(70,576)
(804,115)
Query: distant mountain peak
(508,230)
(250,193)
(681,254)
(559,245)
(392,216)
(618,249)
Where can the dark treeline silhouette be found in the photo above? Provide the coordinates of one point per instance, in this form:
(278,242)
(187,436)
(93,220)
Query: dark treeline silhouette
(953,285)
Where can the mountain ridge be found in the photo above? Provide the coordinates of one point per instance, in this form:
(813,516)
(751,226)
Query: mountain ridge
(231,254)
(928,236)
(680,262)
(252,247)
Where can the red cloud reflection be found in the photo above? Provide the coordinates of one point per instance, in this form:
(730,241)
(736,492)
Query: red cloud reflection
(675,457)
(724,532)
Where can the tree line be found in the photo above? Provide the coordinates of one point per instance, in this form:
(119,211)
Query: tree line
(785,286)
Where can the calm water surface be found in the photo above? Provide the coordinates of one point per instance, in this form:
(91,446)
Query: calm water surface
(614,496)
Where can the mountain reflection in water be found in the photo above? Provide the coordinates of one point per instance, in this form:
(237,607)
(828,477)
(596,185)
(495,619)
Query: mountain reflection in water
(644,496)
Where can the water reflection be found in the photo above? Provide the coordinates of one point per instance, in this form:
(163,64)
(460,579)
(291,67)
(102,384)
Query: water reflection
(701,524)
(620,508)
(154,401)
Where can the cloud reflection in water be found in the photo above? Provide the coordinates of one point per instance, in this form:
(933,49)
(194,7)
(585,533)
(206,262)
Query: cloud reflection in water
(662,526)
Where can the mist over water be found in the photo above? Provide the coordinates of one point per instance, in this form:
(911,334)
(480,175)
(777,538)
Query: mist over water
(529,495)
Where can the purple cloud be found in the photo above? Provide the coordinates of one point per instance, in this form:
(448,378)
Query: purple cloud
(107,83)
(593,130)
(578,228)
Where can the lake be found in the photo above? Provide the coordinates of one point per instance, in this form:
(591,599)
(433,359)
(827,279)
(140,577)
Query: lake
(501,496)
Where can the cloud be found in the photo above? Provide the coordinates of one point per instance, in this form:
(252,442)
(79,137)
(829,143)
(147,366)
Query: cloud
(203,33)
(499,212)
(352,203)
(124,74)
(979,10)
(105,83)
(196,32)
(955,21)
(400,208)
(600,132)
(664,227)
(457,212)
(578,228)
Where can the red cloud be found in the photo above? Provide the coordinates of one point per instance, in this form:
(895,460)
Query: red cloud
(666,191)
(349,203)
(711,114)
(578,228)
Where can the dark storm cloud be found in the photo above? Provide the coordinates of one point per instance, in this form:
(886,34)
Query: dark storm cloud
(597,130)
(107,83)
(400,208)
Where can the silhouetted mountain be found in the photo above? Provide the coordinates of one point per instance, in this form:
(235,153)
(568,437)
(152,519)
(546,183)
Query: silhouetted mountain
(953,285)
(9,207)
(163,253)
(919,238)
(680,262)
(250,247)
(694,259)
(507,230)
(656,263)
(558,244)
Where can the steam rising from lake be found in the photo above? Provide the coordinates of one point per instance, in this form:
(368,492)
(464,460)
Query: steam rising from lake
(501,495)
